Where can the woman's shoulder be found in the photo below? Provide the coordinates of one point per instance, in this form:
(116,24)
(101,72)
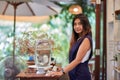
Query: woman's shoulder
(88,36)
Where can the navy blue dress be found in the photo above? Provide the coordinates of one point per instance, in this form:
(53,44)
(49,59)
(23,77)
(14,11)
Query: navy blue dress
(81,71)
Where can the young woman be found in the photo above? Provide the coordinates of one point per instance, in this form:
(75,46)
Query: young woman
(80,50)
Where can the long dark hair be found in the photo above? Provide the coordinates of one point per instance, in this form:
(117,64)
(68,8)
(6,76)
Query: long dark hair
(86,28)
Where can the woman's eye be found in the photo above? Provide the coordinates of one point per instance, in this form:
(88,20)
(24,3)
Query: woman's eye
(74,23)
(79,23)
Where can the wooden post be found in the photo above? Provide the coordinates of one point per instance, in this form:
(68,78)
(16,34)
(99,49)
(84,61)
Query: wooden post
(97,57)
(104,56)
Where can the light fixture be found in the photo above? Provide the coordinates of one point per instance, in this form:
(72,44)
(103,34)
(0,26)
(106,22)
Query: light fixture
(75,9)
(92,1)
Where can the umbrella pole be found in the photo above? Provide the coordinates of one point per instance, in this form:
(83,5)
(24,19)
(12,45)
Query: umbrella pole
(15,4)
(14,33)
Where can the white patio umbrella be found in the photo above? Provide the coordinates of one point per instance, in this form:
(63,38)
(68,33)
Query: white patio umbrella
(27,8)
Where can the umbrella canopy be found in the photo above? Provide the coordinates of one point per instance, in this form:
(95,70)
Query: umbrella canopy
(29,8)
(33,19)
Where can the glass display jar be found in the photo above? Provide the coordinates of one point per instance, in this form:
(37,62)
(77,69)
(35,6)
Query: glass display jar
(42,54)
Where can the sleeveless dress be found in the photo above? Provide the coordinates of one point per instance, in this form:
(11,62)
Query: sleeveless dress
(81,71)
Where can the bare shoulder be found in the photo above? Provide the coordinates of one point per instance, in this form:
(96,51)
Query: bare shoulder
(86,40)
(85,43)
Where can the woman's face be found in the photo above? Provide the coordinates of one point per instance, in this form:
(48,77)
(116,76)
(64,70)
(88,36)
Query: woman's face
(78,27)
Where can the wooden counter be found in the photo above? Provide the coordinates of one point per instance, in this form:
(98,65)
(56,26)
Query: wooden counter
(24,75)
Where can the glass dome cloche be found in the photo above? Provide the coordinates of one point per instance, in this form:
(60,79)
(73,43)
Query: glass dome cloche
(42,53)
(43,49)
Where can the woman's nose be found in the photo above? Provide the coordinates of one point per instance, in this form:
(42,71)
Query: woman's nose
(77,25)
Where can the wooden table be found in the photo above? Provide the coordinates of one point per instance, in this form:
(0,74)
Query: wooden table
(25,75)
